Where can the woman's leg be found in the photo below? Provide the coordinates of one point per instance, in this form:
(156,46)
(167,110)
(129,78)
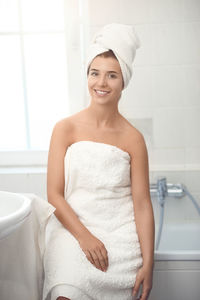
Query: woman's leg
(62,298)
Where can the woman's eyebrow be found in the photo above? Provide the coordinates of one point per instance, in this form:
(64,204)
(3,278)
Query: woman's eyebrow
(107,71)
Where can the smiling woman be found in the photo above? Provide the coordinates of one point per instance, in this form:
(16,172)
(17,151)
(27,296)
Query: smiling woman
(101,235)
(105,77)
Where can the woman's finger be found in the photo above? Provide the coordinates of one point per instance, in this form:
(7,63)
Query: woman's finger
(102,260)
(89,256)
(95,251)
(105,255)
(145,293)
(92,257)
(144,296)
(96,260)
(136,286)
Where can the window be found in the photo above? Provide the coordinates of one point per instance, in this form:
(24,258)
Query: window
(35,54)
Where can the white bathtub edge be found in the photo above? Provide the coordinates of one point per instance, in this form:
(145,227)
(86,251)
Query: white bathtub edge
(177,255)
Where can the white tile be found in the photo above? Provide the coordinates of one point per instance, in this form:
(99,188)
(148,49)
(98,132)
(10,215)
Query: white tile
(134,11)
(168,127)
(192,181)
(171,176)
(166,11)
(167,43)
(191,43)
(139,91)
(191,85)
(189,210)
(164,156)
(144,54)
(178,209)
(104,12)
(132,112)
(24,183)
(192,126)
(192,155)
(191,10)
(168,86)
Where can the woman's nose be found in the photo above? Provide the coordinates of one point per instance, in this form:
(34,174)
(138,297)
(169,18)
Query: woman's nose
(102,80)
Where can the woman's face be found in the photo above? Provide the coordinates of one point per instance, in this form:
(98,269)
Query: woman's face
(105,81)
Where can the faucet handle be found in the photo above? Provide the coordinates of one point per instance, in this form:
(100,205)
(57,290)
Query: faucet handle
(162,186)
(161,178)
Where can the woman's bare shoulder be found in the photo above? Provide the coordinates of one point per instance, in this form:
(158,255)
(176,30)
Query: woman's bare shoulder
(66,124)
(131,131)
(134,138)
(65,128)
(62,132)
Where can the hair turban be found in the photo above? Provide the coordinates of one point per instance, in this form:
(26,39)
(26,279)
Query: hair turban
(122,40)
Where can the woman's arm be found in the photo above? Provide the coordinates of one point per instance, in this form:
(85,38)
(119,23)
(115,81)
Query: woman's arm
(143,209)
(60,140)
(93,248)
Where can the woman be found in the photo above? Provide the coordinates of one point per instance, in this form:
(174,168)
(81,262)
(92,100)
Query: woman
(101,235)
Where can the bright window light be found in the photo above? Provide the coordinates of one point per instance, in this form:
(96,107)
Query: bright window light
(33,72)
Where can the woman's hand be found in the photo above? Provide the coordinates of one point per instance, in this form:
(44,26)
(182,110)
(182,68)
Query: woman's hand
(95,251)
(144,277)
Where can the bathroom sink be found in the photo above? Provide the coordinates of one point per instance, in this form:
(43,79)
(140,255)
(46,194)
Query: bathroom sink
(14,209)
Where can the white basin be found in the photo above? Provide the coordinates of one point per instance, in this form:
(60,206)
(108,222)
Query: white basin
(14,209)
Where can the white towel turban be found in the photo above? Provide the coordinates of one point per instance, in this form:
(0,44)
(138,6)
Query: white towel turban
(122,40)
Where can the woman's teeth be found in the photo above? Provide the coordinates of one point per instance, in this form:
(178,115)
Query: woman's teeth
(101,92)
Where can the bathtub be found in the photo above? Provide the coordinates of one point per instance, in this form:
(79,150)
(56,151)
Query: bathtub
(21,265)
(176,273)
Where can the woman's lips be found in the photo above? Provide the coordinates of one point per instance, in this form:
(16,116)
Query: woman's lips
(101,93)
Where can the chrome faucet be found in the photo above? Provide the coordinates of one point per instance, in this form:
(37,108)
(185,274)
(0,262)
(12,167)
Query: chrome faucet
(162,191)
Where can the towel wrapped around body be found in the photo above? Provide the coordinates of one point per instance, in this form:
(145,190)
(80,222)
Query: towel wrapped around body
(98,188)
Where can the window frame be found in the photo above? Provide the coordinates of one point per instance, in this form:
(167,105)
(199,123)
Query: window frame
(76,33)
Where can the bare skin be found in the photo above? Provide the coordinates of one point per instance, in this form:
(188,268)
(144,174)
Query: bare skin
(101,122)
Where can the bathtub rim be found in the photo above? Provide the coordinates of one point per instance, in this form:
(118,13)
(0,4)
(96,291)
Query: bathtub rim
(177,255)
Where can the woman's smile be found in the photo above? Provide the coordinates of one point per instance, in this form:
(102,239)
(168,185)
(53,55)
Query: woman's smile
(101,93)
(105,79)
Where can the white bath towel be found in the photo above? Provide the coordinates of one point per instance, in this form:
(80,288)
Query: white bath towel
(41,211)
(122,40)
(98,188)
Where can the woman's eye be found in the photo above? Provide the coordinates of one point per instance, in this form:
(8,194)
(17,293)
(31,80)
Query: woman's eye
(113,76)
(109,75)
